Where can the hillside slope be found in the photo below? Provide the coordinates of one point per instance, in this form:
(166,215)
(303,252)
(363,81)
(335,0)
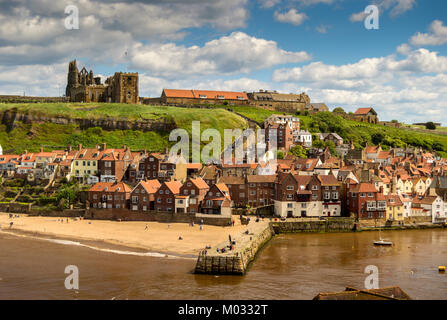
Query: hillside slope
(358,132)
(29,126)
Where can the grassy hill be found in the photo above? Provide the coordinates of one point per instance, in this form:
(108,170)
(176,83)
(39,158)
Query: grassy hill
(50,135)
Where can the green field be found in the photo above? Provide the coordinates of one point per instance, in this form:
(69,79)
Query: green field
(32,136)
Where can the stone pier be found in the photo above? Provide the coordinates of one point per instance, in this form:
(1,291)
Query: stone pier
(247,246)
(235,261)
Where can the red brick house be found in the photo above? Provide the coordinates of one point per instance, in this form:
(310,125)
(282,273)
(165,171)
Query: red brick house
(142,197)
(238,190)
(165,196)
(365,202)
(261,190)
(113,164)
(217,201)
(192,193)
(109,195)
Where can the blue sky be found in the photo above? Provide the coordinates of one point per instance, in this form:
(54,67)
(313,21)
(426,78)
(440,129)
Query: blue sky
(316,46)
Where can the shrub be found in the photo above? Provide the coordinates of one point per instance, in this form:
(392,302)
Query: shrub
(430,126)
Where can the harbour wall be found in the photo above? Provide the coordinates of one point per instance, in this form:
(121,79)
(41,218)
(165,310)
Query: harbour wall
(248,244)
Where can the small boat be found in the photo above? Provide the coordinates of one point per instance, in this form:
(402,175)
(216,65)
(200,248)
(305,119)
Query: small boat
(382,242)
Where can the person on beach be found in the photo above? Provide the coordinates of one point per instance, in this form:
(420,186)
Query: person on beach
(146,227)
(229,238)
(201,227)
(10,224)
(233,223)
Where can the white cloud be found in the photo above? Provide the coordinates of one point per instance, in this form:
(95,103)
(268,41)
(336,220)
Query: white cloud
(437,35)
(236,53)
(403,49)
(292,16)
(323,28)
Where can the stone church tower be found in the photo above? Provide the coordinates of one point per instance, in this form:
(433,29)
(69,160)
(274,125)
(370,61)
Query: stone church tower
(73,77)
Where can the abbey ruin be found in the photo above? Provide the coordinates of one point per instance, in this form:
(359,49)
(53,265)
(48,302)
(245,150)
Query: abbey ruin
(83,86)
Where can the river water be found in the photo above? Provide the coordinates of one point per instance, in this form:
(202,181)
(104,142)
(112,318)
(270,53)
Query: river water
(289,267)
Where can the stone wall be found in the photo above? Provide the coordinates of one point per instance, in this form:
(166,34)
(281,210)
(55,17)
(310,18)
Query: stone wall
(25,99)
(235,262)
(330,225)
(164,217)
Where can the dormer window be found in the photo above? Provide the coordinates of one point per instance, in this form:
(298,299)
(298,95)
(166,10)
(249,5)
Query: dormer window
(202,96)
(220,97)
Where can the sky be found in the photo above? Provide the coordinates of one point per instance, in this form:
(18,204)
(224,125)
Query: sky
(321,47)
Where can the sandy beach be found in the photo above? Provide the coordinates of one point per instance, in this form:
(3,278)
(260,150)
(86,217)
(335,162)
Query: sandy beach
(158,237)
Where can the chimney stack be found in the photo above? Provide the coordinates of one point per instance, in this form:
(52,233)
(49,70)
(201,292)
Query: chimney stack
(41,149)
(80,147)
(104,146)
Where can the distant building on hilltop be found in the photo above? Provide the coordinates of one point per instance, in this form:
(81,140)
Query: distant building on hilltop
(368,115)
(82,86)
(174,96)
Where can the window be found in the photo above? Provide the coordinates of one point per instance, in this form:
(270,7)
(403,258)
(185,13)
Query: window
(303,205)
(370,195)
(362,195)
(314,187)
(161,191)
(290,205)
(169,200)
(290,188)
(158,200)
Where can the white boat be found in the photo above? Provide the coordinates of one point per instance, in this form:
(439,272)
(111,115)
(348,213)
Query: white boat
(382,242)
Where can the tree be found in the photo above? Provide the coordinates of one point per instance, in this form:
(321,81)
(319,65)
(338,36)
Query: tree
(339,110)
(280,155)
(377,138)
(430,125)
(394,121)
(437,146)
(298,151)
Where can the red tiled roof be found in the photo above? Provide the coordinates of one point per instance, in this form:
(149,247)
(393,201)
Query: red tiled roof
(261,178)
(111,187)
(362,111)
(151,186)
(174,186)
(328,180)
(196,94)
(364,187)
(200,183)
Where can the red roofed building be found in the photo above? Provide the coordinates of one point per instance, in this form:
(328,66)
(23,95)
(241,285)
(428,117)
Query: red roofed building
(365,201)
(109,195)
(165,199)
(217,201)
(365,115)
(192,193)
(142,197)
(174,96)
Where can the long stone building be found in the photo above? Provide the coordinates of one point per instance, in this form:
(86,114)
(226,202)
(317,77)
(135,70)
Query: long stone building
(83,86)
(270,100)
